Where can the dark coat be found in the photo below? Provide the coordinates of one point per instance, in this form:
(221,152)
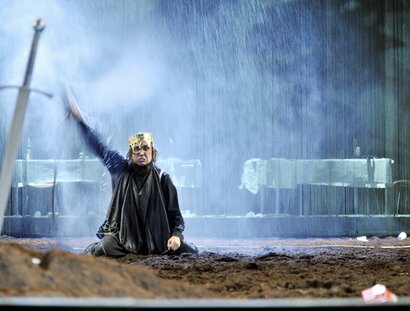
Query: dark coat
(144,210)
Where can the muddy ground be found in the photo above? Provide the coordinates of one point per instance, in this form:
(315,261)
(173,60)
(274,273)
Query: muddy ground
(260,268)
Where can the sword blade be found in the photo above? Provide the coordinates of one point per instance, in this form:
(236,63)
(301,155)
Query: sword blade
(14,137)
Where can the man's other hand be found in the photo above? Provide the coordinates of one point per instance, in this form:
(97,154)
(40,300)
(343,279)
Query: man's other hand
(174,243)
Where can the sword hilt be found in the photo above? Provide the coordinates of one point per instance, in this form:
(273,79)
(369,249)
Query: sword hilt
(49,95)
(38,28)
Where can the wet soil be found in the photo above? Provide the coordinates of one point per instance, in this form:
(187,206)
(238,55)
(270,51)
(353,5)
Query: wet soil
(259,268)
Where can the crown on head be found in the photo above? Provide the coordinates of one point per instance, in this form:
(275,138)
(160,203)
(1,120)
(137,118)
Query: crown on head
(137,140)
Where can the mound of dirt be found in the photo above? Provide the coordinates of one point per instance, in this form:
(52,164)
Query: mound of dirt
(26,272)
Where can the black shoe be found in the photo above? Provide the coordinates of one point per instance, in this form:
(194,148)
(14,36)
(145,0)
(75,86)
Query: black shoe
(187,247)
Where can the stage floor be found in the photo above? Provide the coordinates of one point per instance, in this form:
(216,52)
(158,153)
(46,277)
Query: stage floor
(244,246)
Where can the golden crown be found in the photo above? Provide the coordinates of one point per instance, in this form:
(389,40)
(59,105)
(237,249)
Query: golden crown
(139,139)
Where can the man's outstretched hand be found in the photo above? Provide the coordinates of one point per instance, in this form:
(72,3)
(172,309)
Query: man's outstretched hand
(71,104)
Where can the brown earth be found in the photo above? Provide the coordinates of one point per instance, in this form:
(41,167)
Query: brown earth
(259,268)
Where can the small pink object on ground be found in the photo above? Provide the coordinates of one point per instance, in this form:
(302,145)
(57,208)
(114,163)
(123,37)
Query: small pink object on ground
(378,294)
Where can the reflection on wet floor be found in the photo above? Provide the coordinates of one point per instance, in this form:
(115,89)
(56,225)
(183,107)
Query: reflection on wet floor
(249,247)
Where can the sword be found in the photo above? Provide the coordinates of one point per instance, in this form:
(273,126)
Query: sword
(14,137)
